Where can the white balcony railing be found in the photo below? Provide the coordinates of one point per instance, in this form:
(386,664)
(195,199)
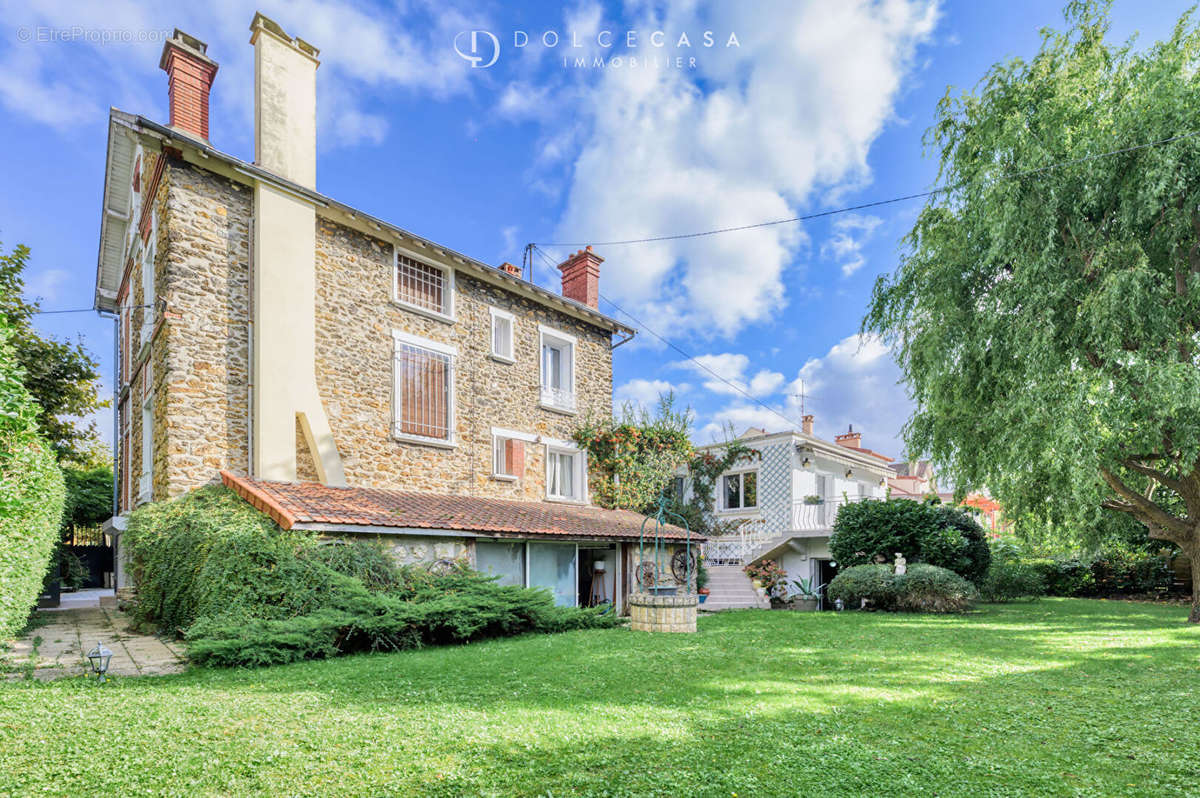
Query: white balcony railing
(808,517)
(558,398)
(735,548)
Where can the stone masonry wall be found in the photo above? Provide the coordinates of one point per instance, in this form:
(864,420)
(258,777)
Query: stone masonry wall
(202,404)
(355,319)
(206,337)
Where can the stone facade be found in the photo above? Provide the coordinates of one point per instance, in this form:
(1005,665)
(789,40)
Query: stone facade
(355,320)
(201,354)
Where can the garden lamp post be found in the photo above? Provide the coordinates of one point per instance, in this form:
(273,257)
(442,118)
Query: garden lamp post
(99,658)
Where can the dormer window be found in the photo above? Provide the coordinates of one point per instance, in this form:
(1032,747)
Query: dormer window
(424,287)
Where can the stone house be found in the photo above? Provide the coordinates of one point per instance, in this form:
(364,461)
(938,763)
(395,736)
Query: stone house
(341,373)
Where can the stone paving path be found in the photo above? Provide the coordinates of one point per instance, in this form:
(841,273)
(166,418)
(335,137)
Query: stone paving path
(63,643)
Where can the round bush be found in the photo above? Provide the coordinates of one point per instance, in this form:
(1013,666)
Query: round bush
(928,588)
(939,535)
(875,583)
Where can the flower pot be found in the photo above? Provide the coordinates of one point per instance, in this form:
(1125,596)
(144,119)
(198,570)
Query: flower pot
(703,597)
(804,604)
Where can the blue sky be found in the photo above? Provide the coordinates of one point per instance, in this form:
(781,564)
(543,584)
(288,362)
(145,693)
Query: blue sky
(817,105)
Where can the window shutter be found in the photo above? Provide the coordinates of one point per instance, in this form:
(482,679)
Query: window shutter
(424,392)
(514,457)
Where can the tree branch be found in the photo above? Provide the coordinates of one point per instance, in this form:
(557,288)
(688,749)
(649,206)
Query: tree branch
(1146,511)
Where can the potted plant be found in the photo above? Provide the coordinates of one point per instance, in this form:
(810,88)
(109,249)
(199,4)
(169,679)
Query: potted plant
(769,576)
(702,581)
(806,598)
(813,499)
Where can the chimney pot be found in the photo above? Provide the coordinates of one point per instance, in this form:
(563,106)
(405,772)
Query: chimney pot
(806,424)
(190,74)
(509,268)
(850,438)
(581,277)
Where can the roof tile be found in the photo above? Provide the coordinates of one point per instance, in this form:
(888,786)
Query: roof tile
(291,503)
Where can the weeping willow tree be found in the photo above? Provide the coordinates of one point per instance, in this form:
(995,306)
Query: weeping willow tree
(1045,311)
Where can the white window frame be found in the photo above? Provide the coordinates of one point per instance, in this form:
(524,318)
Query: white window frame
(579,467)
(399,337)
(146,478)
(148,252)
(499,436)
(558,400)
(741,475)
(448,288)
(499,315)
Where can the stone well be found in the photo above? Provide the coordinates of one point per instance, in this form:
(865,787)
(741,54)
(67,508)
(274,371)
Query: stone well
(653,613)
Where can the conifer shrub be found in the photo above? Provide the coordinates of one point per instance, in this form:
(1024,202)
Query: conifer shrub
(243,592)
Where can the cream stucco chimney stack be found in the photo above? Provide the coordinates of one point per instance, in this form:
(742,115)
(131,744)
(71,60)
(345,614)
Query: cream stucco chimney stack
(285,102)
(283,354)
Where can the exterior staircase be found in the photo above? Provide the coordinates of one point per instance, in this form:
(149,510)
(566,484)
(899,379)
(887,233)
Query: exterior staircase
(730,589)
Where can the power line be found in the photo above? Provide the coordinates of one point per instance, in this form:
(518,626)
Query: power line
(52,312)
(642,325)
(876,203)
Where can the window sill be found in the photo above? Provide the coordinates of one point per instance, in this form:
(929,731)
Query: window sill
(566,411)
(561,500)
(738,511)
(400,437)
(505,477)
(433,314)
(502,359)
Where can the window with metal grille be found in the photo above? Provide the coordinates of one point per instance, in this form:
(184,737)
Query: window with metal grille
(423,392)
(421,285)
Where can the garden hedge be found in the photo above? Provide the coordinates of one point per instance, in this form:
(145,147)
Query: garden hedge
(939,535)
(31,496)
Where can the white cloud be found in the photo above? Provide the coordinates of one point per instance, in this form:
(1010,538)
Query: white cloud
(644,394)
(408,48)
(748,136)
(726,374)
(857,382)
(850,234)
(45,284)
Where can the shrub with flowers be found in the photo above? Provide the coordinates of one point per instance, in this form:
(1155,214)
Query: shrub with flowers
(770,575)
(633,457)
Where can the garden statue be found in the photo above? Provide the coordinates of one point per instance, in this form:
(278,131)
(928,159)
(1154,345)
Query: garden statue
(901,564)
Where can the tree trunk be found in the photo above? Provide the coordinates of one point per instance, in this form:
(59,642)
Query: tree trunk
(1193,553)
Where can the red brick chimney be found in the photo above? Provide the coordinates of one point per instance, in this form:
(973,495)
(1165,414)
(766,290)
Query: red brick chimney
(509,268)
(849,438)
(190,76)
(581,277)
(806,424)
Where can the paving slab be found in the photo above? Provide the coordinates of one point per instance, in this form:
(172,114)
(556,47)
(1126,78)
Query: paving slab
(59,648)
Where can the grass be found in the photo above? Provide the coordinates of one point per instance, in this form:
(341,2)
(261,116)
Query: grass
(1058,697)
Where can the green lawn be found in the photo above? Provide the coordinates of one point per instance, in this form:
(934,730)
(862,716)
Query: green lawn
(1058,697)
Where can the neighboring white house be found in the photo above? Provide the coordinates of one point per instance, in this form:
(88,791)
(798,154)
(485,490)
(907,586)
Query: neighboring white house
(784,500)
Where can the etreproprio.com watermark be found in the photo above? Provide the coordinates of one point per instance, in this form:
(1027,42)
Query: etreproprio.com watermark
(47,34)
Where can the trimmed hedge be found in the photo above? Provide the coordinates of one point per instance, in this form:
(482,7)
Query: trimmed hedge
(939,535)
(243,592)
(31,496)
(924,588)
